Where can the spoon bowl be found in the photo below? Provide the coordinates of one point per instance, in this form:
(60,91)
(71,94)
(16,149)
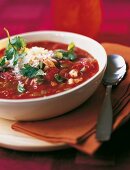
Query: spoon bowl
(115,71)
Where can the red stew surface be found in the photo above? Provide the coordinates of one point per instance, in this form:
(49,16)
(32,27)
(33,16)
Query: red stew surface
(73,72)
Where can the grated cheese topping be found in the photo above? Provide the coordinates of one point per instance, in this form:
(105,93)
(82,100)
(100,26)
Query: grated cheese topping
(33,57)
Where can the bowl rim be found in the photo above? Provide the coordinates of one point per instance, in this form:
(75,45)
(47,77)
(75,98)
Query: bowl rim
(45,98)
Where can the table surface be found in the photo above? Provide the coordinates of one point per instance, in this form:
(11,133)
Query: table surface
(20,16)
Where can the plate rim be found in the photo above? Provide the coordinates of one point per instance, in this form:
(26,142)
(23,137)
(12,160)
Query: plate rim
(15,140)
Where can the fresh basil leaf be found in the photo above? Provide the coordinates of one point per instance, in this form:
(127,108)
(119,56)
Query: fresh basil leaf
(21,88)
(58,78)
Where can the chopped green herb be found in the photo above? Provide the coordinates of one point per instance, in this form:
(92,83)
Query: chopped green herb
(59,54)
(66,55)
(58,78)
(31,72)
(9,53)
(71,56)
(15,48)
(17,57)
(21,88)
(2,62)
(71,47)
(39,73)
(28,71)
(18,42)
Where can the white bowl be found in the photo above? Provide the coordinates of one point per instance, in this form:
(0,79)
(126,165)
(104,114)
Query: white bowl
(54,105)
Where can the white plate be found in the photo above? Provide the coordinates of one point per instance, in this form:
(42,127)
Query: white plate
(19,141)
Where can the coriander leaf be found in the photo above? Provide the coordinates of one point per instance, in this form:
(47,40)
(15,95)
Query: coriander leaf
(21,88)
(2,61)
(9,53)
(66,55)
(72,56)
(71,47)
(15,49)
(28,71)
(31,72)
(58,78)
(62,53)
(22,55)
(18,42)
(39,73)
(17,56)
(58,54)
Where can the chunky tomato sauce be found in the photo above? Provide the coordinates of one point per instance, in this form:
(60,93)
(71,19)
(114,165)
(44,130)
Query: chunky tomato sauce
(73,72)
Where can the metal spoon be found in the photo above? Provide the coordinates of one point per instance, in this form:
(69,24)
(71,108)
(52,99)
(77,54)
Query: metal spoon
(115,71)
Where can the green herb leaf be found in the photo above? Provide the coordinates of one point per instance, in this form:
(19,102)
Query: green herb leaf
(61,54)
(72,56)
(17,56)
(66,55)
(9,53)
(31,72)
(15,48)
(2,62)
(58,54)
(28,71)
(71,47)
(58,78)
(18,42)
(39,73)
(21,88)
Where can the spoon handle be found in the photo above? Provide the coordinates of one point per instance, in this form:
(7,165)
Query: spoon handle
(104,126)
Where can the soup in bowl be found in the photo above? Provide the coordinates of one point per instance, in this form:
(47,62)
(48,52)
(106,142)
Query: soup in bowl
(47,73)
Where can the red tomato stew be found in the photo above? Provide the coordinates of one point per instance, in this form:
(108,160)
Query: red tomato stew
(41,69)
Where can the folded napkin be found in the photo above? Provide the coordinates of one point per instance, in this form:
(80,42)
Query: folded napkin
(77,128)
